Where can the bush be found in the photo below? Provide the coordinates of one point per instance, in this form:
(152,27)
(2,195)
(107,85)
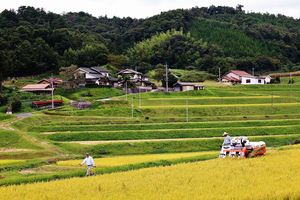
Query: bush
(194,76)
(16,105)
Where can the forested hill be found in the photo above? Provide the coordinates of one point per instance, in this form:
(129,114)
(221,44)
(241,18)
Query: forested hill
(33,41)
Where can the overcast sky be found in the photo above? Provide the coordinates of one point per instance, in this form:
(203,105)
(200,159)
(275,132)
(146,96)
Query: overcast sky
(148,8)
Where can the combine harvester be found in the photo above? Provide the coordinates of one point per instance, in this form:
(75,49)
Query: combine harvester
(241,147)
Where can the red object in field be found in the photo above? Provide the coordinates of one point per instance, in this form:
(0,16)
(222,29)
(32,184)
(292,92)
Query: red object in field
(47,103)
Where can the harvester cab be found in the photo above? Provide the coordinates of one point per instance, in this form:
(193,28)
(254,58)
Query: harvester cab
(241,147)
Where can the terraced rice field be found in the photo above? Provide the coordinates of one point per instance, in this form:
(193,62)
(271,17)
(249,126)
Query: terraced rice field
(129,160)
(158,127)
(164,122)
(214,179)
(8,162)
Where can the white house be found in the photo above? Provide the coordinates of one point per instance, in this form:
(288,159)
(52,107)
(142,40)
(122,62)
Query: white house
(252,80)
(242,77)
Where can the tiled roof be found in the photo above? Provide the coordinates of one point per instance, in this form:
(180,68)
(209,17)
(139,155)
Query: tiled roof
(187,84)
(240,73)
(129,71)
(87,70)
(55,80)
(99,69)
(36,86)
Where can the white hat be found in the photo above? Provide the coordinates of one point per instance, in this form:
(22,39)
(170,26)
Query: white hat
(225,133)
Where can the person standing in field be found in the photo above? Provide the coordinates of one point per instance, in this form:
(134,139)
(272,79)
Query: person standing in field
(89,162)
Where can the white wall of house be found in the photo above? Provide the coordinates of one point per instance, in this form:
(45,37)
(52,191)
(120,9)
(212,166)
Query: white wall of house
(187,88)
(252,80)
(268,79)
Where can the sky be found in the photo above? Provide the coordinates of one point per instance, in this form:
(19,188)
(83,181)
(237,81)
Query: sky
(148,8)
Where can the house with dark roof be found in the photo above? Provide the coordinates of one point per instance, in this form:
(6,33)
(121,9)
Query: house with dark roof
(96,75)
(242,77)
(101,70)
(186,86)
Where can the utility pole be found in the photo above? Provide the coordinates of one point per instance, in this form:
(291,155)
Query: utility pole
(52,93)
(187,110)
(219,74)
(167,78)
(132,107)
(291,82)
(126,90)
(252,71)
(140,100)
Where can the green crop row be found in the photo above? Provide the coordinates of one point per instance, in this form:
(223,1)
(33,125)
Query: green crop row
(157,126)
(166,134)
(167,146)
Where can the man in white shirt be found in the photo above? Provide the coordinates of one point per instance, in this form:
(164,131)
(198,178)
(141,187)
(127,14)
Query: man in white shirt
(89,161)
(227,139)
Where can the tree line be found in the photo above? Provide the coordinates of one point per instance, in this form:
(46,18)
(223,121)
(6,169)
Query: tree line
(33,41)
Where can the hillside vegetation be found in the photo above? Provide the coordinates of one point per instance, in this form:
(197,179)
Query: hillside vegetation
(34,41)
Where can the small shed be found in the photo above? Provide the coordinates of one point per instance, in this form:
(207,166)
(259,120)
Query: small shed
(185,86)
(38,88)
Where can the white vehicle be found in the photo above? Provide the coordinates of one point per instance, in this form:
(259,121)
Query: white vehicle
(241,147)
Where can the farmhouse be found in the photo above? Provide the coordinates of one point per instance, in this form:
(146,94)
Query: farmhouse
(135,77)
(90,75)
(185,86)
(242,77)
(38,88)
(96,75)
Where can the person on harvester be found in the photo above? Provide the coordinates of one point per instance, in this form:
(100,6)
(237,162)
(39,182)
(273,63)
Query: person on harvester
(227,139)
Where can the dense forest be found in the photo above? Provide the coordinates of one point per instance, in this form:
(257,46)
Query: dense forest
(33,41)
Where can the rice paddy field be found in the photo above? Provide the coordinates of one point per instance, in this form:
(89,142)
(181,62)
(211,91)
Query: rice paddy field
(214,179)
(176,136)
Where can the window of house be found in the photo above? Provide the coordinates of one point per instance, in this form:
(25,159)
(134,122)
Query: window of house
(248,81)
(259,81)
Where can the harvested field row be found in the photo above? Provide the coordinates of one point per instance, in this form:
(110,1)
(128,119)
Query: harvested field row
(163,140)
(76,121)
(177,146)
(168,126)
(164,134)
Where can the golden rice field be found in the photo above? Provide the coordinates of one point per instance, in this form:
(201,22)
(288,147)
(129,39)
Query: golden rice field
(128,160)
(274,176)
(7,162)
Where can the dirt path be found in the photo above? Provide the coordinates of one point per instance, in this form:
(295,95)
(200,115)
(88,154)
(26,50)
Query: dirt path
(7,125)
(13,150)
